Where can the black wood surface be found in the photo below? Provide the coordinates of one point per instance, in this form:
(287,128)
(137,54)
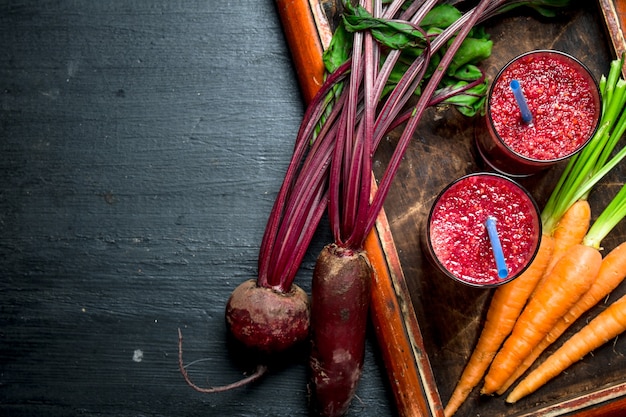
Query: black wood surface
(141,146)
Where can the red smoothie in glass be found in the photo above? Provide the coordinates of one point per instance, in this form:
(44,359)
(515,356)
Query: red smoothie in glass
(564,101)
(457,237)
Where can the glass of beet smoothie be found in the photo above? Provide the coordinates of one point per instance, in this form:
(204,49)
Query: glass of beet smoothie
(542,108)
(457,236)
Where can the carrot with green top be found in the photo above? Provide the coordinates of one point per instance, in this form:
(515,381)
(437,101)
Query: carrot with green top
(587,167)
(613,267)
(567,214)
(570,230)
(611,272)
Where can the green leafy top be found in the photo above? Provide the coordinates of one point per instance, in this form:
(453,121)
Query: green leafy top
(464,84)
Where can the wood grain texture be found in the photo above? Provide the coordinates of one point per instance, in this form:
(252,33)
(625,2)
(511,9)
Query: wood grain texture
(306,51)
(614,13)
(141,146)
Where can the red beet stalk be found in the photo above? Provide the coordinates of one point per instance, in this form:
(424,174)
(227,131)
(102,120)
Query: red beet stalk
(270,314)
(342,275)
(350,133)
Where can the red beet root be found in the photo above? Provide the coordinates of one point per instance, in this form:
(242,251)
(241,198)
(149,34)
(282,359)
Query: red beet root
(339,311)
(342,277)
(262,319)
(267,320)
(332,166)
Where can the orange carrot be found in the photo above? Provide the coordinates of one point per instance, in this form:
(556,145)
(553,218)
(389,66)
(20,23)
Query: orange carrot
(570,230)
(567,215)
(570,279)
(506,304)
(607,325)
(612,273)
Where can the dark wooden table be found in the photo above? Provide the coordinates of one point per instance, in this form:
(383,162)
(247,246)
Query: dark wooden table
(141,146)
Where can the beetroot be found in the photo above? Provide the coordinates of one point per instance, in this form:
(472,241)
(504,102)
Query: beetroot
(341,281)
(340,301)
(272,314)
(332,165)
(263,319)
(268,320)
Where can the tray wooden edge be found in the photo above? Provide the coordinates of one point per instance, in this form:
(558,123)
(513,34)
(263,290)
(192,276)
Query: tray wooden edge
(614,14)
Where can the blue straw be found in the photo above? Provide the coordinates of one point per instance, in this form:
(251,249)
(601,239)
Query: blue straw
(527,116)
(496,246)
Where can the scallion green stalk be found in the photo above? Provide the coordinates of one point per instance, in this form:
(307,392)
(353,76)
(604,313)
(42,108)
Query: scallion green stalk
(614,212)
(588,167)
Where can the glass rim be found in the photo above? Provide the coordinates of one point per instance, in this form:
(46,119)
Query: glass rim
(535,250)
(595,88)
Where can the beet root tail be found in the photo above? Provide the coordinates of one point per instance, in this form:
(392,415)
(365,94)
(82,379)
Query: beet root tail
(258,373)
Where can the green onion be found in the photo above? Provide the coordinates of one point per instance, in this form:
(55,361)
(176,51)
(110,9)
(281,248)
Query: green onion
(614,212)
(588,167)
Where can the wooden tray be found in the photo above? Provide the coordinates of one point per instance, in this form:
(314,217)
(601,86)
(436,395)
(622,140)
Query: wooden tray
(614,14)
(433,318)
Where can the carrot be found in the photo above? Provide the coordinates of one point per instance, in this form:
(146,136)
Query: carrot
(570,230)
(607,325)
(570,279)
(506,304)
(612,273)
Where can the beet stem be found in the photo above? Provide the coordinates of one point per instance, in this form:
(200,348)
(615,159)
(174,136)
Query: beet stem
(268,277)
(350,220)
(258,373)
(385,183)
